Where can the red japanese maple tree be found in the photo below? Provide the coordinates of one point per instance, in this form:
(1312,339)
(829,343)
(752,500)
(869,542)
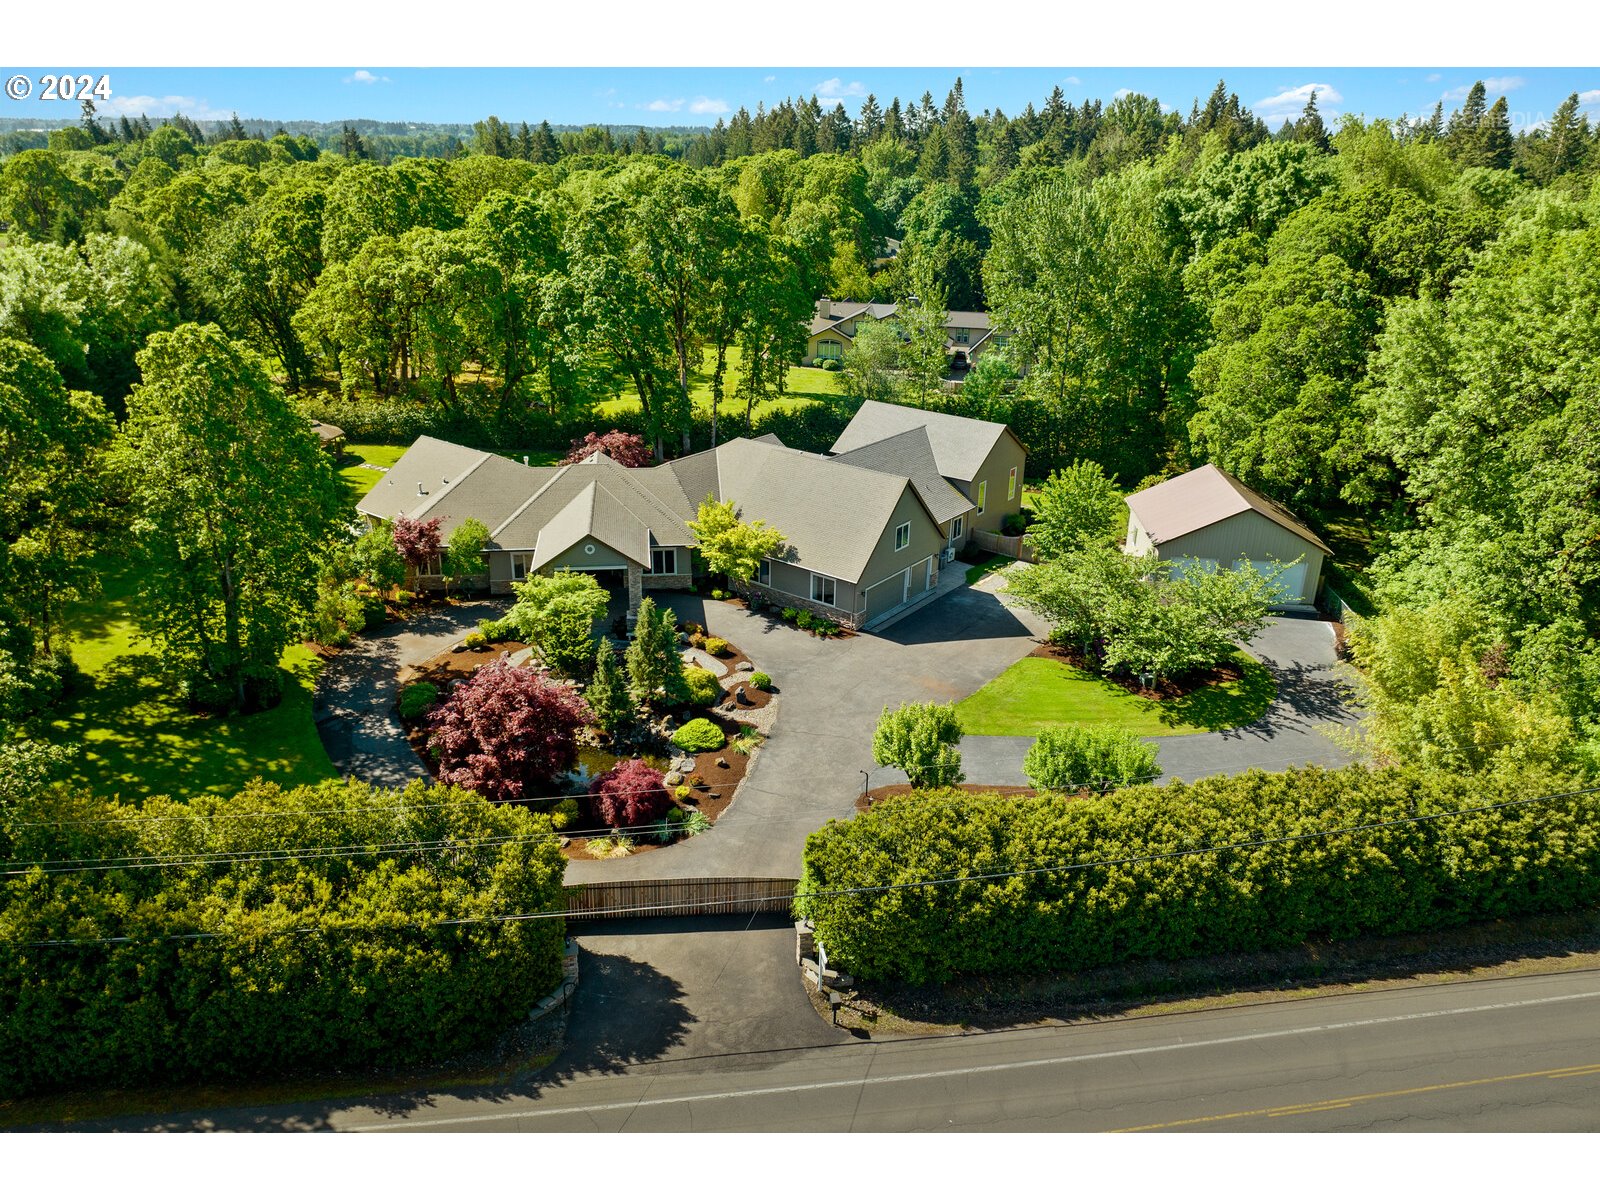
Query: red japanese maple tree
(629,449)
(417,541)
(507,732)
(630,793)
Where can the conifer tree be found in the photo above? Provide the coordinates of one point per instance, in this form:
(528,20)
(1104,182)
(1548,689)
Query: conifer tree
(607,694)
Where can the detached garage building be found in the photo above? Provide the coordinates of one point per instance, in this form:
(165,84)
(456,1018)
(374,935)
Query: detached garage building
(1206,518)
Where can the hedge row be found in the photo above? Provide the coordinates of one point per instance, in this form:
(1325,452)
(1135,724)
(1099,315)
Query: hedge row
(334,962)
(481,422)
(1403,878)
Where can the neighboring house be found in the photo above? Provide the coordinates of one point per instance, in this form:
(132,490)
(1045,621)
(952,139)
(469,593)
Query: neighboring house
(864,531)
(1206,517)
(982,460)
(331,437)
(833,328)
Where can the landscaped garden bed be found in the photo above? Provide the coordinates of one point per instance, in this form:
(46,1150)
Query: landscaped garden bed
(666,776)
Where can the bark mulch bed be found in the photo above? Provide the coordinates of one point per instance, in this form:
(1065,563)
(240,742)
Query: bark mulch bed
(444,670)
(753,698)
(905,789)
(1175,688)
(711,798)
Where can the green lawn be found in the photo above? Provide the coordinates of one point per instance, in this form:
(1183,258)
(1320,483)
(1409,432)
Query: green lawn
(806,385)
(358,463)
(138,741)
(1036,694)
(994,562)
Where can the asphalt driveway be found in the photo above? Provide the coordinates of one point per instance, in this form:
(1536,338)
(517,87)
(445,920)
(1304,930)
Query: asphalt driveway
(1311,699)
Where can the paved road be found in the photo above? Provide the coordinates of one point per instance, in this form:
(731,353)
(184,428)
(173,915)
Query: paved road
(354,707)
(1510,1054)
(1311,697)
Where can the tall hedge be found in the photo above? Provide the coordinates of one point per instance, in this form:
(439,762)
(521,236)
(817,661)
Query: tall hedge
(1403,878)
(330,962)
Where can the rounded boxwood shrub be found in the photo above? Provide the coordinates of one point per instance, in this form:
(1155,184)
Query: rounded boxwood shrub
(475,641)
(830,364)
(761,681)
(698,736)
(717,646)
(417,698)
(702,687)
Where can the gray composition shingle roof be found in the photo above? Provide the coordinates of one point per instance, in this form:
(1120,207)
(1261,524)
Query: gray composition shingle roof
(593,513)
(960,444)
(431,465)
(1203,497)
(911,454)
(519,530)
(831,514)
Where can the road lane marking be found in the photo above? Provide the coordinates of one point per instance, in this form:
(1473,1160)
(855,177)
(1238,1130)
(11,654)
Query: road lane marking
(957,1072)
(1315,1106)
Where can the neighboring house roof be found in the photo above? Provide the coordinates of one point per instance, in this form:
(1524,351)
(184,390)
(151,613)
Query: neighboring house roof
(328,433)
(831,514)
(1202,497)
(960,444)
(598,514)
(910,454)
(829,314)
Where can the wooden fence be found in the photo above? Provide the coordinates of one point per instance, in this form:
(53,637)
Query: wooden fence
(999,543)
(679,897)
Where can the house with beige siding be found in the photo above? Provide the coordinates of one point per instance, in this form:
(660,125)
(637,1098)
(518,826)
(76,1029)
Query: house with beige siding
(982,460)
(1206,519)
(866,530)
(834,323)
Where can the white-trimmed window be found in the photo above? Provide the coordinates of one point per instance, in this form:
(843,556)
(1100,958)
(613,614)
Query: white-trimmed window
(961,337)
(823,589)
(956,527)
(1011,485)
(664,560)
(521,565)
(902,536)
(830,348)
(764,573)
(432,566)
(983,494)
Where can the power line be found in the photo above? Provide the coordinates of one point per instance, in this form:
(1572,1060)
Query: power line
(876,889)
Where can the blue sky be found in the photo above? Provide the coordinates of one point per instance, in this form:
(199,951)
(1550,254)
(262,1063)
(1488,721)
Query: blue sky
(692,96)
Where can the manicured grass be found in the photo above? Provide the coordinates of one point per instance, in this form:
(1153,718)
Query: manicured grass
(139,740)
(806,385)
(993,563)
(1036,694)
(357,465)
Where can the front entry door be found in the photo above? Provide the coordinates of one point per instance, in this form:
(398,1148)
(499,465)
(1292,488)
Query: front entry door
(905,586)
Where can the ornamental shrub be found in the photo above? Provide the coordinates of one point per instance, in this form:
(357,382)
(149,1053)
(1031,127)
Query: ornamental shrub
(344,962)
(805,618)
(417,698)
(921,740)
(761,681)
(565,813)
(1088,756)
(475,641)
(629,794)
(1405,877)
(791,614)
(507,732)
(702,687)
(698,736)
(717,646)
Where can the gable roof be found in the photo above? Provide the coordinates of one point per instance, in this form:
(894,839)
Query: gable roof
(1202,497)
(593,513)
(657,504)
(832,514)
(960,444)
(911,454)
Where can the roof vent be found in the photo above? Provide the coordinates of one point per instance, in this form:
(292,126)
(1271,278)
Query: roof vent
(421,491)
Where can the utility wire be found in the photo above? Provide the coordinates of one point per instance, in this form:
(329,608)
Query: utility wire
(874,889)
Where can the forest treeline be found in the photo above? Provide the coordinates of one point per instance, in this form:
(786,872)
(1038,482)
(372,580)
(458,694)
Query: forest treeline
(1390,326)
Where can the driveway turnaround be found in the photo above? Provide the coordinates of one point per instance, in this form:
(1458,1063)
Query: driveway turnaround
(354,706)
(832,691)
(1311,699)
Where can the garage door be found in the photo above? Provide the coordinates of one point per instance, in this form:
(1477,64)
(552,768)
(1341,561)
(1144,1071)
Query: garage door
(1291,585)
(881,597)
(1183,566)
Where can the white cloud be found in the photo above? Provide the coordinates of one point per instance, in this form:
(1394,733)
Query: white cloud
(769,79)
(1435,77)
(193,107)
(1590,98)
(707,106)
(1495,85)
(1121,92)
(663,105)
(1289,104)
(1072,81)
(366,76)
(832,91)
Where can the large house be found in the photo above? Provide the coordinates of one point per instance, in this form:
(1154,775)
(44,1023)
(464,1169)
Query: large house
(865,529)
(1206,518)
(833,328)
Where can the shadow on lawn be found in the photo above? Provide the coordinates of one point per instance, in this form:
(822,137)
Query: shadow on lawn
(1221,706)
